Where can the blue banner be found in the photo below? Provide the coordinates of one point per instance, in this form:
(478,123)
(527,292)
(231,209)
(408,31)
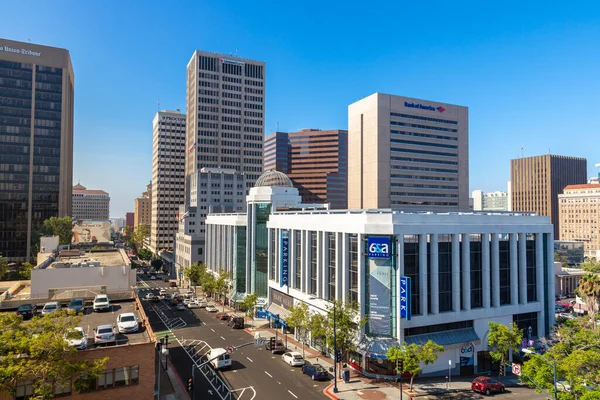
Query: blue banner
(284,266)
(405,301)
(380,297)
(379,247)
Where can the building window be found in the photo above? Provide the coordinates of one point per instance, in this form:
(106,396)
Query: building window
(411,270)
(24,390)
(331,269)
(118,377)
(504,250)
(476,272)
(445,272)
(531,268)
(526,320)
(353,268)
(298,255)
(451,326)
(313,263)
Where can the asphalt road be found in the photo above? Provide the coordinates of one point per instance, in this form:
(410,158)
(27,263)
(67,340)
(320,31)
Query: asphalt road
(255,372)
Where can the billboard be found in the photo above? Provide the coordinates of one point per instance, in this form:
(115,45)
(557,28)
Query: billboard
(284,258)
(380,297)
(405,293)
(379,247)
(85,231)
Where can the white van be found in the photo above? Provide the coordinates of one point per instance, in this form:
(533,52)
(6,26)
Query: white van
(222,361)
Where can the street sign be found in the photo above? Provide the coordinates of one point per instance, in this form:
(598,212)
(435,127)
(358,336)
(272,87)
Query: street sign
(516,369)
(230,349)
(259,342)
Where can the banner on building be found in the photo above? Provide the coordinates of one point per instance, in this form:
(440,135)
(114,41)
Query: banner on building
(467,355)
(405,300)
(379,247)
(85,231)
(380,299)
(284,266)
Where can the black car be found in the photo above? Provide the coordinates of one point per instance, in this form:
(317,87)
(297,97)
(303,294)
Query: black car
(236,322)
(276,346)
(76,305)
(26,310)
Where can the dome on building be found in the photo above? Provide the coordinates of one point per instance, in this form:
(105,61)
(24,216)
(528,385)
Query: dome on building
(273,178)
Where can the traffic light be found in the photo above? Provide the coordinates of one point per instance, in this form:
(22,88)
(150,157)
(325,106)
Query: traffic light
(190,385)
(399,366)
(502,370)
(338,356)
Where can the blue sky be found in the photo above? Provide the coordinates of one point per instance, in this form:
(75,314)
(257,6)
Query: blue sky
(528,71)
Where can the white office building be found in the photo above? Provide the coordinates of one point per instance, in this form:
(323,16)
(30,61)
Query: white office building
(490,201)
(465,269)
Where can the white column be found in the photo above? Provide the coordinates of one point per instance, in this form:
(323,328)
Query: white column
(455,272)
(514,270)
(523,268)
(423,297)
(339,265)
(345,267)
(250,250)
(466,271)
(485,269)
(400,272)
(434,274)
(361,277)
(539,275)
(306,262)
(495,271)
(322,263)
(550,276)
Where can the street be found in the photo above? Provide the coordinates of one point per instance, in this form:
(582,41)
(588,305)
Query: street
(255,372)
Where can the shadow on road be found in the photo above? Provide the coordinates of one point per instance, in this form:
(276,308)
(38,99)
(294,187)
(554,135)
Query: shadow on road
(236,365)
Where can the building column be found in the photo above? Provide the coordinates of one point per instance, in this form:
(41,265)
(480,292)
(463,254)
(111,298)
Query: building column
(455,272)
(339,265)
(345,266)
(514,270)
(466,271)
(306,262)
(270,233)
(539,275)
(361,278)
(434,274)
(485,269)
(522,268)
(549,262)
(322,264)
(400,272)
(423,278)
(250,250)
(495,271)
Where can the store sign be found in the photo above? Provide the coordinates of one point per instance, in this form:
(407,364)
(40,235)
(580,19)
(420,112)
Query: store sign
(25,52)
(424,107)
(284,265)
(164,118)
(380,296)
(379,247)
(281,299)
(232,62)
(405,292)
(467,355)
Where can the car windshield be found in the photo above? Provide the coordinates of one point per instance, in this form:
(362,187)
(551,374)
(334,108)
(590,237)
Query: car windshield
(102,300)
(298,357)
(127,318)
(105,330)
(25,307)
(50,306)
(76,302)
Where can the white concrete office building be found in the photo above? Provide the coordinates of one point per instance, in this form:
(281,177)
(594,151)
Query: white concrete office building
(465,269)
(406,153)
(490,201)
(168,177)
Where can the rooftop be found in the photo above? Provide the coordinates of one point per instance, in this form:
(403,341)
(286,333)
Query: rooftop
(80,189)
(583,186)
(110,258)
(410,212)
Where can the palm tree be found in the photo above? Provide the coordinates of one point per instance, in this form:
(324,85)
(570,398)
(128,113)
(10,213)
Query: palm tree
(589,290)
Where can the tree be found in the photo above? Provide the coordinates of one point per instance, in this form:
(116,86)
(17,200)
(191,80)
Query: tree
(221,286)
(208,283)
(589,290)
(413,355)
(61,227)
(299,319)
(249,304)
(195,273)
(590,265)
(3,266)
(139,234)
(502,339)
(156,263)
(318,327)
(37,351)
(145,254)
(25,271)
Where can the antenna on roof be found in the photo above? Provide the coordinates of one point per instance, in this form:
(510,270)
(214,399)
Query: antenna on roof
(158,105)
(277,128)
(522,152)
(29,40)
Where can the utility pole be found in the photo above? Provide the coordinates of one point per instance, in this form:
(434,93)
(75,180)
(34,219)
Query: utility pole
(335,389)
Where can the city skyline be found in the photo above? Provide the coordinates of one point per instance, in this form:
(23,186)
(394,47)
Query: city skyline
(520,77)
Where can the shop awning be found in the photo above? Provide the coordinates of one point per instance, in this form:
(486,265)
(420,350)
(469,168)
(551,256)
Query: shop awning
(237,297)
(445,338)
(376,347)
(275,310)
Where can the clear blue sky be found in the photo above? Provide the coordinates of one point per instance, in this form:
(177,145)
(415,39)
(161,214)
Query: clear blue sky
(528,71)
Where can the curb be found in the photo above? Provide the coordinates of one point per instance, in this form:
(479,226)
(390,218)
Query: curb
(329,394)
(174,372)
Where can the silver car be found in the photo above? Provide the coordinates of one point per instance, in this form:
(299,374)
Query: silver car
(50,307)
(104,334)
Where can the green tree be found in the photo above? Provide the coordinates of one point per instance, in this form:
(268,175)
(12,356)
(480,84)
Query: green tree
(144,254)
(413,355)
(61,227)
(589,290)
(318,327)
(249,304)
(221,286)
(208,283)
(502,339)
(3,266)
(590,265)
(195,273)
(25,270)
(36,350)
(139,234)
(299,319)
(157,263)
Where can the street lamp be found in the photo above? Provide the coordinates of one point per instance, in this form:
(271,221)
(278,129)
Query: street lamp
(335,389)
(553,363)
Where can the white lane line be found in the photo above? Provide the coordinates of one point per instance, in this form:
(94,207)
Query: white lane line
(279,382)
(222,338)
(249,359)
(292,394)
(268,374)
(212,329)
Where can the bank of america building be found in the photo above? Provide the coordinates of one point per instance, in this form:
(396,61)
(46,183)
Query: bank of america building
(460,271)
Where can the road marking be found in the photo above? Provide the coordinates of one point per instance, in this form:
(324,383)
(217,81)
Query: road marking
(212,329)
(268,374)
(292,394)
(249,359)
(279,382)
(222,338)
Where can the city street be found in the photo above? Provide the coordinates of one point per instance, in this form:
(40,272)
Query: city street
(255,372)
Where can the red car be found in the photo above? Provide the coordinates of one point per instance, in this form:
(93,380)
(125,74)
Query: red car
(487,385)
(223,316)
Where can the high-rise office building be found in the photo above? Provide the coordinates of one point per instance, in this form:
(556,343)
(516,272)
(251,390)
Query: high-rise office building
(36,141)
(225,98)
(168,177)
(90,203)
(406,153)
(142,208)
(579,210)
(129,218)
(537,181)
(316,161)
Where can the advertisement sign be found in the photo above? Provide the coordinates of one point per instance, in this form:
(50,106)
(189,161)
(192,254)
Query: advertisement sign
(284,265)
(379,247)
(467,354)
(85,231)
(405,292)
(281,299)
(380,297)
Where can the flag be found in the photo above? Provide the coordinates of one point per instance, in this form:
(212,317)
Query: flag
(184,215)
(192,147)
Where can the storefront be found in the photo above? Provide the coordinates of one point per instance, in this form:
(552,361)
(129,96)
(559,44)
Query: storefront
(279,308)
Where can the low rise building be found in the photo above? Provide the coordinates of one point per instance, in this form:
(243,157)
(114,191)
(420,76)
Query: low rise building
(142,208)
(567,280)
(579,213)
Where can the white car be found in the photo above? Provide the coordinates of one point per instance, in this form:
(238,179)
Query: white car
(162,292)
(104,334)
(149,296)
(211,308)
(193,304)
(77,338)
(201,304)
(101,303)
(50,307)
(127,323)
(190,293)
(293,358)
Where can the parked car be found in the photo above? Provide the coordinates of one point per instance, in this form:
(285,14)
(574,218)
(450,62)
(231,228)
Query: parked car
(104,334)
(316,371)
(162,292)
(180,307)
(276,346)
(77,338)
(76,305)
(127,323)
(174,301)
(487,385)
(50,307)
(189,293)
(153,277)
(192,304)
(293,358)
(236,322)
(101,303)
(172,284)
(210,308)
(26,311)
(222,316)
(166,278)
(202,304)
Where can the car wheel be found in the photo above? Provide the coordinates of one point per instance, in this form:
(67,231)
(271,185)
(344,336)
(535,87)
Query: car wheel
(502,389)
(487,392)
